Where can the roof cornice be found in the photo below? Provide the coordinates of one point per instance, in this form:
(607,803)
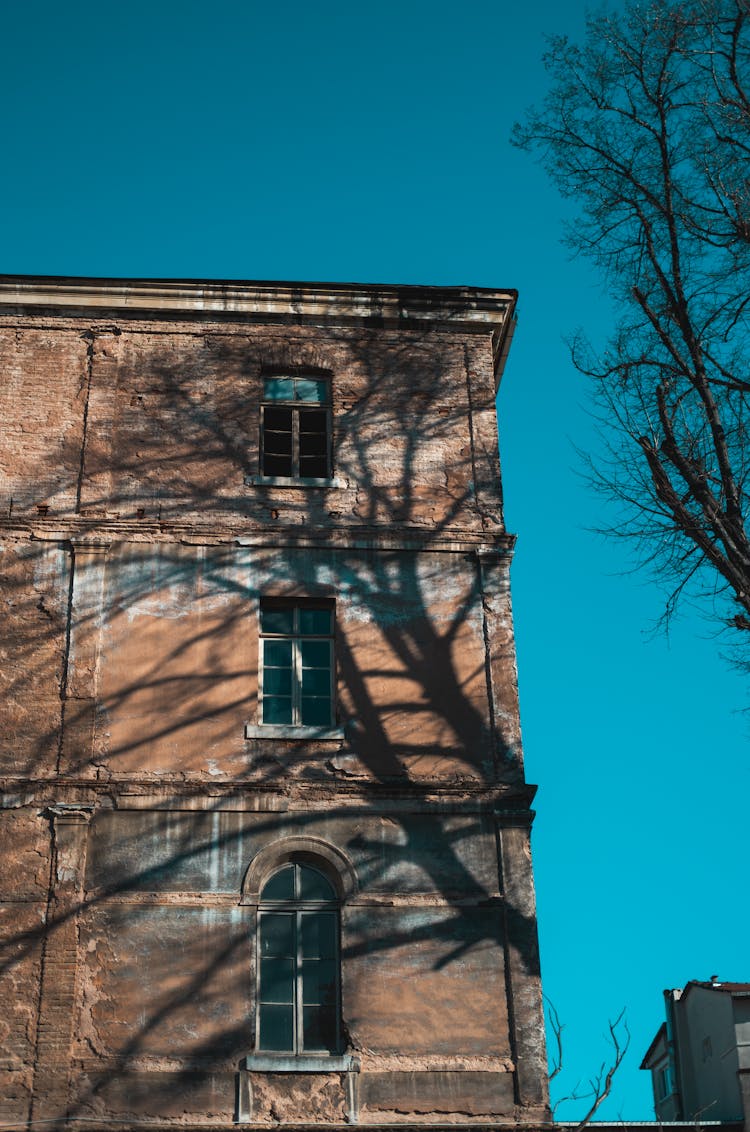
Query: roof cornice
(472,306)
(381,306)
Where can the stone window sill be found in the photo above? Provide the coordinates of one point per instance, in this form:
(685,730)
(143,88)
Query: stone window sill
(289,731)
(288,1063)
(288,481)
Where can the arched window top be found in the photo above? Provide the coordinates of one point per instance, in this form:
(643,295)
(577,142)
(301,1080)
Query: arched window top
(298,883)
(309,853)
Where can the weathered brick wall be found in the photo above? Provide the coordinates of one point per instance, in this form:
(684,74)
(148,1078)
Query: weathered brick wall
(24,884)
(45,376)
(129,419)
(178,664)
(136,547)
(34,581)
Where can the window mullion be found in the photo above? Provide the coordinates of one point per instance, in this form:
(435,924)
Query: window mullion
(295,443)
(337,958)
(297,682)
(298,995)
(329,441)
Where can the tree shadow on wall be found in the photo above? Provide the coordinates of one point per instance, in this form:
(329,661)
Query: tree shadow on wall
(172,676)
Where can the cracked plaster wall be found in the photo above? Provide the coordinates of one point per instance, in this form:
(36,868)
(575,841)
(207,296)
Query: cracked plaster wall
(136,547)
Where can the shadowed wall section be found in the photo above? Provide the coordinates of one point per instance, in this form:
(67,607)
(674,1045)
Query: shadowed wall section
(148,795)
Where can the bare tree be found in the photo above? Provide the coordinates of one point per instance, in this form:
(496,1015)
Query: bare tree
(646,127)
(599,1086)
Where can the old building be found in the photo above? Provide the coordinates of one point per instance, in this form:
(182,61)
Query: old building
(699,1059)
(265,829)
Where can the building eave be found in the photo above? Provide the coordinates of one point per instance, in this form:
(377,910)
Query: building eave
(382,305)
(661,1033)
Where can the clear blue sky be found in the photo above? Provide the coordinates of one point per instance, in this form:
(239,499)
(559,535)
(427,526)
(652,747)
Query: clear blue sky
(352,142)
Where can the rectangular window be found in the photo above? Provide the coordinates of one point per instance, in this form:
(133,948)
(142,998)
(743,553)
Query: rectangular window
(663,1083)
(296,663)
(295,427)
(297,992)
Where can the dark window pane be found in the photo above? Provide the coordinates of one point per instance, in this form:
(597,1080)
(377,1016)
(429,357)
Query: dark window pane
(313,886)
(308,389)
(277,981)
(277,465)
(277,934)
(315,713)
(313,421)
(278,682)
(313,467)
(277,1027)
(277,420)
(316,654)
(314,622)
(278,389)
(314,446)
(319,933)
(277,619)
(318,982)
(280,886)
(277,654)
(316,682)
(277,444)
(277,709)
(319,1028)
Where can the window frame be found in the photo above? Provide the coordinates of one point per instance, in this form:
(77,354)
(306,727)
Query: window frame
(664,1082)
(297,406)
(298,907)
(296,638)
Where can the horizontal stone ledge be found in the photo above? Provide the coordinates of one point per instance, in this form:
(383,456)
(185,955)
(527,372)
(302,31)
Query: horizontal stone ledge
(293,733)
(364,796)
(288,482)
(202,899)
(283,1063)
(459,308)
(104,531)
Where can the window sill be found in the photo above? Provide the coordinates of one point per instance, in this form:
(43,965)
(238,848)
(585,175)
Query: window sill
(289,731)
(289,1063)
(290,481)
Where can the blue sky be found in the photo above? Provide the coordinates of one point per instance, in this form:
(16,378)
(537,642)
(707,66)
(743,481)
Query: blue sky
(336,141)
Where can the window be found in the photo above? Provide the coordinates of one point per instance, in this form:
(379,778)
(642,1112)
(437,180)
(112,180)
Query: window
(663,1083)
(298,963)
(296,663)
(295,427)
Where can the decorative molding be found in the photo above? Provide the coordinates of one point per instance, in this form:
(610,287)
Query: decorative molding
(475,308)
(329,858)
(225,530)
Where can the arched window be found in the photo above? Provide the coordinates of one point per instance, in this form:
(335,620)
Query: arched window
(298,963)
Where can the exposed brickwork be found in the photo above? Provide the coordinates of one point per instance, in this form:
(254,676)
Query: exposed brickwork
(138,541)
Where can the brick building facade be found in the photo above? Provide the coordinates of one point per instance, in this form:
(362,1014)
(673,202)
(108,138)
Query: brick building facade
(265,828)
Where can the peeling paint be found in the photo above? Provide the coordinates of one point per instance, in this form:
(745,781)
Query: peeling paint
(137,812)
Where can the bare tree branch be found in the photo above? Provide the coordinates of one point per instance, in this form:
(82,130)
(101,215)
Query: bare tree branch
(557,1028)
(647,126)
(600,1085)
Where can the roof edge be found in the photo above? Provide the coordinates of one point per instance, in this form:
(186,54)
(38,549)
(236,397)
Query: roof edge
(470,307)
